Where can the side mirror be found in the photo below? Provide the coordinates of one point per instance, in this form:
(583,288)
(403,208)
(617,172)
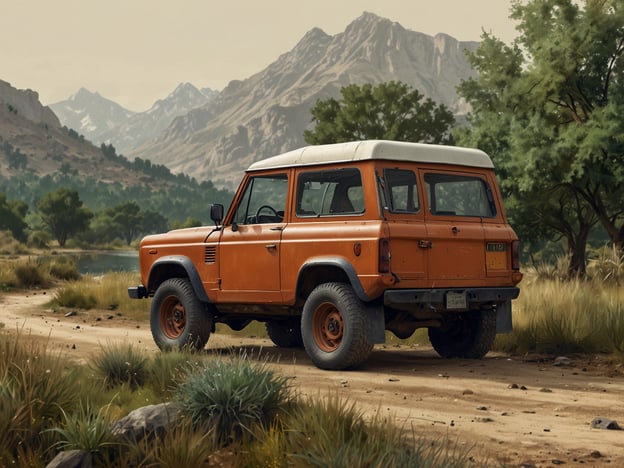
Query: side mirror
(216,213)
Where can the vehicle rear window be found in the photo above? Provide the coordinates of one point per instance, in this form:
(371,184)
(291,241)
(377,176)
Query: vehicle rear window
(402,191)
(459,195)
(332,192)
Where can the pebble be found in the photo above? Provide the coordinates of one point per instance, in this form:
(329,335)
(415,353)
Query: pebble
(562,361)
(605,423)
(516,386)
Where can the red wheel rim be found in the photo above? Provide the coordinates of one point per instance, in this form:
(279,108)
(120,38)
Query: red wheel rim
(327,327)
(172,317)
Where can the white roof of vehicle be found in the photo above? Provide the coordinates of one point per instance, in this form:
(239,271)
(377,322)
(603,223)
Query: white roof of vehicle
(376,149)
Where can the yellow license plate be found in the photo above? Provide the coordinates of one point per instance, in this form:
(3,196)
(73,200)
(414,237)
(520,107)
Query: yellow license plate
(496,256)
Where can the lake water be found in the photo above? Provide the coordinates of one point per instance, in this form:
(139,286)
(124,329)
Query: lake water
(97,263)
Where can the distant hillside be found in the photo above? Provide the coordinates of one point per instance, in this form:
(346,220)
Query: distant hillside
(267,113)
(32,140)
(37,155)
(101,120)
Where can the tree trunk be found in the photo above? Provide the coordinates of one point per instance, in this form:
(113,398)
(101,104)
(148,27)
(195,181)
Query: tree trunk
(577,268)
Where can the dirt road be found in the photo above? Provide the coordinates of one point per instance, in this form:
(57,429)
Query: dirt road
(513,409)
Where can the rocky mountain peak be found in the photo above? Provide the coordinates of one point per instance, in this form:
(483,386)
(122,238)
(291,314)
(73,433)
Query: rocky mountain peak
(83,94)
(25,103)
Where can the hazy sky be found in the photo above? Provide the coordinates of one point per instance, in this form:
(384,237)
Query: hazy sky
(137,51)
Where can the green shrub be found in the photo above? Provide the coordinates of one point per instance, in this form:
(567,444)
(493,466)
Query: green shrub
(165,369)
(39,240)
(233,397)
(29,275)
(10,246)
(121,364)
(181,446)
(73,296)
(608,266)
(86,429)
(34,386)
(614,329)
(64,268)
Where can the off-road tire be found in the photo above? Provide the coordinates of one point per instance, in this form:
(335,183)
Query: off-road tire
(333,327)
(467,335)
(285,333)
(178,319)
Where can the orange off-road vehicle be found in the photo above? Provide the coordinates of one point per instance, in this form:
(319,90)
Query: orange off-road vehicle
(332,245)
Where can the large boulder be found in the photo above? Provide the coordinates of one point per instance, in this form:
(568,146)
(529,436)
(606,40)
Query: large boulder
(71,459)
(148,421)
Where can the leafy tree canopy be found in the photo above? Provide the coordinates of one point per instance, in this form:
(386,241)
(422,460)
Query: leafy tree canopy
(12,215)
(548,109)
(63,213)
(389,111)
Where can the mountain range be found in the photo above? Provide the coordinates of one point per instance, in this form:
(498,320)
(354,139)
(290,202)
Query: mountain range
(33,140)
(215,135)
(104,121)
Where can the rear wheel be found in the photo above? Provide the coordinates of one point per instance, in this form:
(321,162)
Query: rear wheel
(465,335)
(177,318)
(334,328)
(285,333)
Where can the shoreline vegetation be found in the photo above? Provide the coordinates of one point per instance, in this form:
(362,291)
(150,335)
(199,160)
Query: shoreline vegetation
(45,413)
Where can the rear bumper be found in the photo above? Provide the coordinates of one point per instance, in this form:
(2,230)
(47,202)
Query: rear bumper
(406,299)
(137,292)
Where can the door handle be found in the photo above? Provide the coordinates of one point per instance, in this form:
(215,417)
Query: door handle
(271,246)
(425,244)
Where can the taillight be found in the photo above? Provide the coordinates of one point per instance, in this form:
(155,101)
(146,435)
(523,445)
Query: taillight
(515,255)
(384,256)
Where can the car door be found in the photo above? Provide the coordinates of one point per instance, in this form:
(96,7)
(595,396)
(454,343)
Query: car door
(457,203)
(249,250)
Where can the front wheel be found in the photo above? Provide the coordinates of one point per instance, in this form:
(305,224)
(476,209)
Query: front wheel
(465,335)
(178,319)
(333,327)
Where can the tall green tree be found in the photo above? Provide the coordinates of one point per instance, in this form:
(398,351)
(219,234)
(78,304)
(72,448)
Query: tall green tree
(549,109)
(388,111)
(129,218)
(63,213)
(12,213)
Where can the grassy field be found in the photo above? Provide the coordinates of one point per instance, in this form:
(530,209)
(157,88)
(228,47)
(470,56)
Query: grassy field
(233,410)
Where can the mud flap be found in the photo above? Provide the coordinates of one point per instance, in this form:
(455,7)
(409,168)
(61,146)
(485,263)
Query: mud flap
(503,317)
(375,323)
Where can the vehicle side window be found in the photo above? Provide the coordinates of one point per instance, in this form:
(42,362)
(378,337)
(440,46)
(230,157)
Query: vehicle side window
(333,192)
(264,200)
(402,191)
(458,195)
